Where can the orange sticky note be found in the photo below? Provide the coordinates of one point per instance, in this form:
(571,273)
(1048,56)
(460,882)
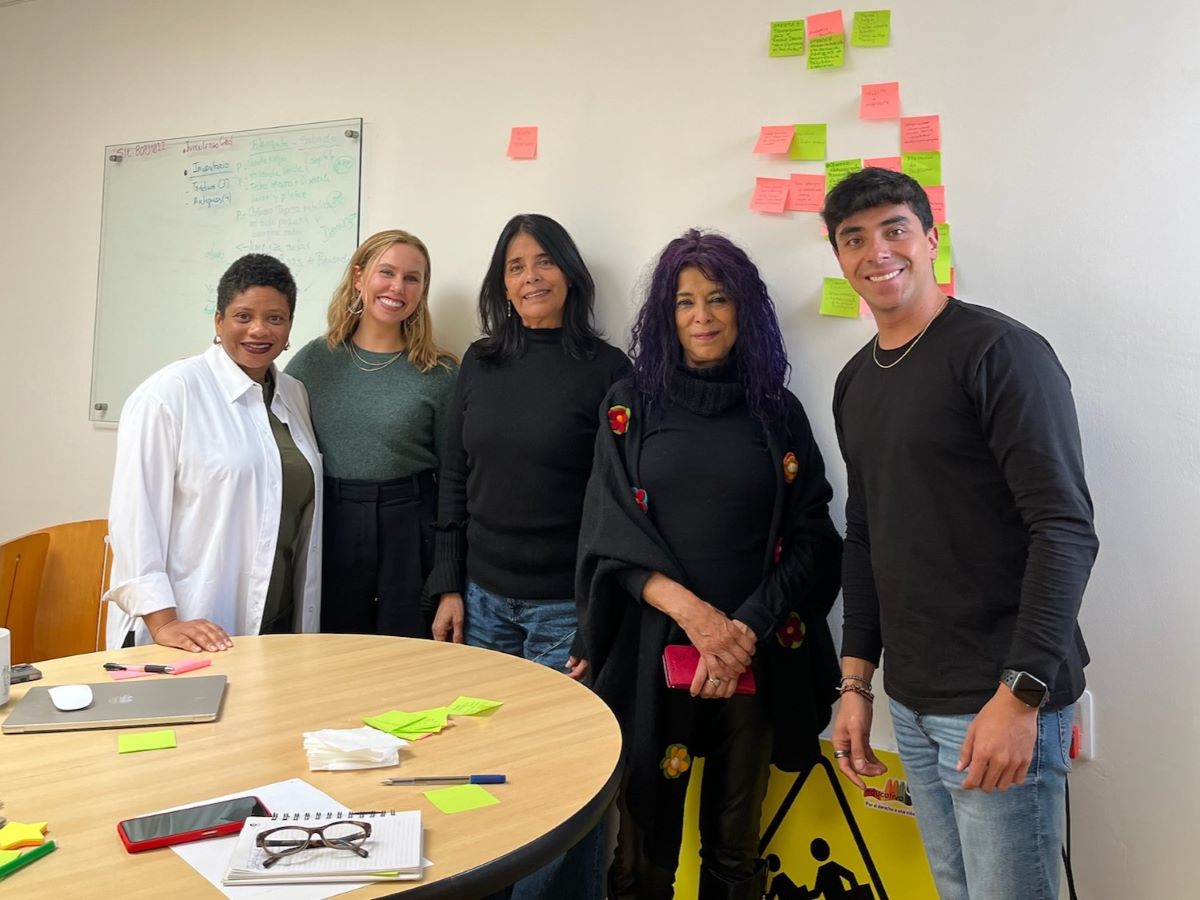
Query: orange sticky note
(522,142)
(919,133)
(770,194)
(825,23)
(883,162)
(880,101)
(937,203)
(775,138)
(948,287)
(806,193)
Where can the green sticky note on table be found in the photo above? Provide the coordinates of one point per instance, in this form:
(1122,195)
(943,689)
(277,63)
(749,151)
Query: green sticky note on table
(407,724)
(472,706)
(941,263)
(147,740)
(924,167)
(839,299)
(461,798)
(787,38)
(827,51)
(809,143)
(7,856)
(871,28)
(838,170)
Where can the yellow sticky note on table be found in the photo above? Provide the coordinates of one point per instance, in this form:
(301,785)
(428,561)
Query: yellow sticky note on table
(838,170)
(461,798)
(925,167)
(827,52)
(839,299)
(808,142)
(472,706)
(871,28)
(146,740)
(787,38)
(7,856)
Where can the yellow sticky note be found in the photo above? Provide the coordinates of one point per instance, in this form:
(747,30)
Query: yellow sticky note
(787,38)
(839,299)
(146,740)
(941,264)
(7,856)
(827,51)
(871,28)
(472,706)
(838,170)
(809,142)
(22,834)
(925,167)
(461,798)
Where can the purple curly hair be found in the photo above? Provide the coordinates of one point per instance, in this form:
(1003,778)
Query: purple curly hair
(654,344)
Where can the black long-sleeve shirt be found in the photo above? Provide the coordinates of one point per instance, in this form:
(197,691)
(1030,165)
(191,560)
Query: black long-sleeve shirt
(969,536)
(519,443)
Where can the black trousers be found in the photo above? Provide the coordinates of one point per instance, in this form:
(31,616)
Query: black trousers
(378,550)
(737,740)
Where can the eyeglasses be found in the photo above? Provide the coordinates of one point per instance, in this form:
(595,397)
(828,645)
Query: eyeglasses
(345,834)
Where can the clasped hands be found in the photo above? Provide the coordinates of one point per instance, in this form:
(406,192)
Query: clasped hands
(726,647)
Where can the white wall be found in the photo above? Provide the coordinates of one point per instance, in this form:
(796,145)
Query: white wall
(1069,131)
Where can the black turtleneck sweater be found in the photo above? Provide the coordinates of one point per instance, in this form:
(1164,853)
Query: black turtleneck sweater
(519,443)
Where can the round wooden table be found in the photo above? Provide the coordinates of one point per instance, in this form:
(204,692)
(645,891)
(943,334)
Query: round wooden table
(557,742)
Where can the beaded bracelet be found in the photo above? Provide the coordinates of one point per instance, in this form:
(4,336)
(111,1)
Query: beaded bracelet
(865,682)
(853,688)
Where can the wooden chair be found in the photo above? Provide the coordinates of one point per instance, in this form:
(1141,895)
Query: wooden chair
(70,611)
(21,564)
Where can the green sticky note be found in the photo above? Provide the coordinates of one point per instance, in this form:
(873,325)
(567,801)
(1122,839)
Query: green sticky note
(924,167)
(472,706)
(839,299)
(7,856)
(872,28)
(827,51)
(405,724)
(838,170)
(809,143)
(787,38)
(147,740)
(941,263)
(461,798)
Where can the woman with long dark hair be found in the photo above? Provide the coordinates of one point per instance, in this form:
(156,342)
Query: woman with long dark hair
(706,527)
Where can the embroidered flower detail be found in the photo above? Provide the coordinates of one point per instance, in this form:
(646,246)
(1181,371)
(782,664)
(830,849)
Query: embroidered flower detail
(618,419)
(676,762)
(791,467)
(777,553)
(641,498)
(791,633)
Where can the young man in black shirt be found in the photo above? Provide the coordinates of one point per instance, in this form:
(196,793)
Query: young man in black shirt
(969,541)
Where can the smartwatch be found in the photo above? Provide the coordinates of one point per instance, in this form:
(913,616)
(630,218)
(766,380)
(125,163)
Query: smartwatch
(1029,689)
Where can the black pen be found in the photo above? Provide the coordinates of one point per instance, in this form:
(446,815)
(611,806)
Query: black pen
(151,669)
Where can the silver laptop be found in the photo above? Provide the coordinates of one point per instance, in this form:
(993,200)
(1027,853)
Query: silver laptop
(122,704)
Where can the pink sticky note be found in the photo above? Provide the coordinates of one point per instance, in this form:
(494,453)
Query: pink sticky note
(775,138)
(919,133)
(770,194)
(806,193)
(883,162)
(825,23)
(937,203)
(522,142)
(948,289)
(880,101)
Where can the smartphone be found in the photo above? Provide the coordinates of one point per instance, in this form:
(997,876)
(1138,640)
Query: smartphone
(23,672)
(193,823)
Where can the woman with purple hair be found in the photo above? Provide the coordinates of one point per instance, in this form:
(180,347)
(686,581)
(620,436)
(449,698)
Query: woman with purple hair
(706,523)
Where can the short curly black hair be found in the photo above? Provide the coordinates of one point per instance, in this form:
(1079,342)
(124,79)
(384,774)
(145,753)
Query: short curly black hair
(256,270)
(870,188)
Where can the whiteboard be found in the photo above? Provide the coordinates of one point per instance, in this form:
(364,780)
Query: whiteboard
(177,212)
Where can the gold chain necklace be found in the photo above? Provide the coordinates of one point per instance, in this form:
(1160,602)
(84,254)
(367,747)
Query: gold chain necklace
(367,365)
(896,362)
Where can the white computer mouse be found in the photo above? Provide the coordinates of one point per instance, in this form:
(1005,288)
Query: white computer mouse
(70,697)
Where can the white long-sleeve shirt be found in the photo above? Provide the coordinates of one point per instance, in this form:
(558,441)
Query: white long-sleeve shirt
(194,513)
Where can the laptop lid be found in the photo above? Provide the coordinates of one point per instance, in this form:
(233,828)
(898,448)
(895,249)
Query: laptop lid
(123,704)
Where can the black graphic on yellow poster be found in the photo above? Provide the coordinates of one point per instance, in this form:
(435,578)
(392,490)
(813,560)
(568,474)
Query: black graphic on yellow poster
(827,840)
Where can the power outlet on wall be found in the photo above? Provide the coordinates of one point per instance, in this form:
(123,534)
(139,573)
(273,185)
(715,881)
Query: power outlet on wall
(1085,720)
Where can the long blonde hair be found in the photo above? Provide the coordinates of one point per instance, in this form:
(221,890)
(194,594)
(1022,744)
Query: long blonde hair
(346,306)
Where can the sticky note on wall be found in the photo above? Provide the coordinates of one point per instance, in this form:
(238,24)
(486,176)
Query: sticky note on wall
(775,138)
(787,38)
(925,168)
(880,101)
(770,194)
(919,133)
(838,299)
(807,193)
(824,24)
(827,52)
(838,170)
(809,143)
(523,142)
(871,28)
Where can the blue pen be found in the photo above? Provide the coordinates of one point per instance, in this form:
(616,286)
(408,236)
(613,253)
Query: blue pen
(449,779)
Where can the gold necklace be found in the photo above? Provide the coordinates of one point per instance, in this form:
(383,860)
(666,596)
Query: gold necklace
(921,334)
(367,365)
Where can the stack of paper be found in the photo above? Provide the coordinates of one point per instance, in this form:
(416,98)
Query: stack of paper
(410,725)
(336,749)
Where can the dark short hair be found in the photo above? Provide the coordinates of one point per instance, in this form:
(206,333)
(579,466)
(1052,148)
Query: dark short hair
(504,338)
(256,270)
(870,188)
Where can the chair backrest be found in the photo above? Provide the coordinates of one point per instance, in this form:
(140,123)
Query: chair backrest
(21,564)
(70,612)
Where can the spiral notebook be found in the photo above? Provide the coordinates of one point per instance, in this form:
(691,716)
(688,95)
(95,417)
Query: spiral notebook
(393,850)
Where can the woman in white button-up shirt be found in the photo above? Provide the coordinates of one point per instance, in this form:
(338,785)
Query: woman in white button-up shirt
(207,482)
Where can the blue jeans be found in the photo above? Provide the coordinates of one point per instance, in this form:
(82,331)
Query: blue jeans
(995,846)
(541,631)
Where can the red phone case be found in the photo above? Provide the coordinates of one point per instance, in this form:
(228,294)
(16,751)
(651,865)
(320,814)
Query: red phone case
(184,836)
(679,665)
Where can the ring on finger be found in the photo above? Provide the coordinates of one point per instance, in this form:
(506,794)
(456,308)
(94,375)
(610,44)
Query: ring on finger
(840,754)
(714,681)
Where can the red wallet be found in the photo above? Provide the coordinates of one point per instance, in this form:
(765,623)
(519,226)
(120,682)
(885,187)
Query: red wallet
(679,665)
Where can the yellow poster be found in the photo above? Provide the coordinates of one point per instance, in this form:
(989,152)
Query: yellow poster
(823,838)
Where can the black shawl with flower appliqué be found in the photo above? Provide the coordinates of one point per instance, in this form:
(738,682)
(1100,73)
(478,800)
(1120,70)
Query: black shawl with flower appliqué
(625,637)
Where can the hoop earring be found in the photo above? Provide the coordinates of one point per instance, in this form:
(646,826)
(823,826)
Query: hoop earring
(216,339)
(356,307)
